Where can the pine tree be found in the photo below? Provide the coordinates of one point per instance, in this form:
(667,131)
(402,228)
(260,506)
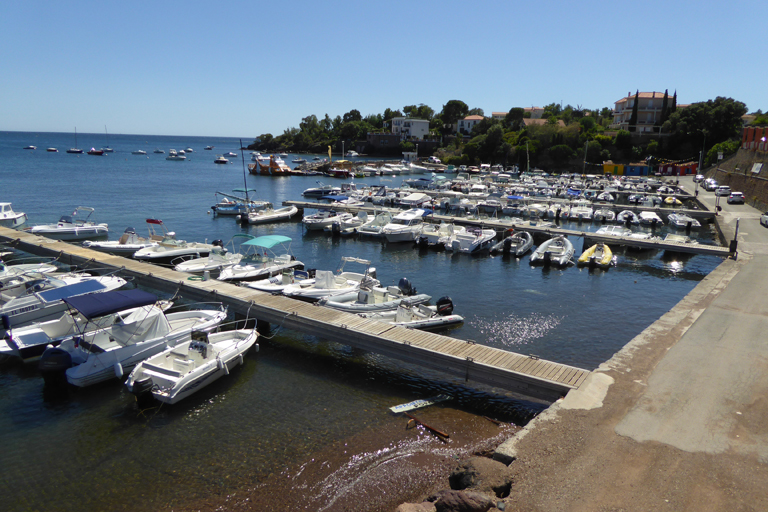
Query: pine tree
(674,104)
(633,118)
(664,108)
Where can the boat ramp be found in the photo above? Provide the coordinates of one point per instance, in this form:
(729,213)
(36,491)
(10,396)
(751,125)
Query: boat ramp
(524,374)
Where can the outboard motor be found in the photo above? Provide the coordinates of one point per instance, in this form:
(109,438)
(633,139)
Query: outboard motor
(53,363)
(423,242)
(444,306)
(335,229)
(142,386)
(507,247)
(406,288)
(547,259)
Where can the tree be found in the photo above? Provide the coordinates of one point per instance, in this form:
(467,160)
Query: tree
(514,118)
(707,122)
(476,112)
(352,115)
(561,154)
(664,108)
(390,114)
(587,123)
(623,140)
(453,111)
(633,117)
(484,125)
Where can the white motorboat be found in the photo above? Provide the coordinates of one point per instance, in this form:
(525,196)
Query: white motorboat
(169,249)
(405,226)
(29,342)
(604,215)
(627,217)
(648,218)
(179,371)
(420,316)
(42,299)
(208,148)
(434,236)
(220,160)
(277,284)
(374,227)
(260,261)
(516,245)
(321,190)
(323,218)
(682,220)
(139,152)
(679,239)
(159,151)
(472,240)
(581,210)
(127,245)
(174,155)
(557,250)
(218,259)
(375,298)
(348,226)
(269,214)
(72,227)
(9,218)
(9,271)
(137,334)
(614,231)
(327,283)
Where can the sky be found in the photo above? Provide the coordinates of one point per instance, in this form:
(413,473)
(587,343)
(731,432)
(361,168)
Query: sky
(246,68)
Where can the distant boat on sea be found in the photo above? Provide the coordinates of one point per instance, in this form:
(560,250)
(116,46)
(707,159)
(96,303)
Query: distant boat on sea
(75,149)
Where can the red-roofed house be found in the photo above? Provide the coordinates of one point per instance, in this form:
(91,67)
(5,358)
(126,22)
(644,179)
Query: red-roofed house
(648,111)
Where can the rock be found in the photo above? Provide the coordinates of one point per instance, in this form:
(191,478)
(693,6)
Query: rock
(506,452)
(416,507)
(482,475)
(462,501)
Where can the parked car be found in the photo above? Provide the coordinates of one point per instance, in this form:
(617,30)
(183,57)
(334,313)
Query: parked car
(723,190)
(698,178)
(710,185)
(736,197)
(764,219)
(434,160)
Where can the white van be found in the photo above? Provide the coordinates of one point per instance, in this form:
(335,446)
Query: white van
(723,190)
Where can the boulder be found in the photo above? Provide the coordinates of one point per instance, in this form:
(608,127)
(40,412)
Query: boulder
(417,507)
(482,475)
(462,501)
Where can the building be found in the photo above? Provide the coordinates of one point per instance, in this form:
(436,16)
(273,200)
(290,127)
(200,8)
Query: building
(409,128)
(536,112)
(648,111)
(754,138)
(501,116)
(465,125)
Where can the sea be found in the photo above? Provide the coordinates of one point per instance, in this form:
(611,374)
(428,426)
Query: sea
(304,421)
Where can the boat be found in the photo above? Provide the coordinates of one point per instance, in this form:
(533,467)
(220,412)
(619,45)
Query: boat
(9,218)
(348,226)
(581,210)
(107,149)
(180,371)
(259,260)
(323,218)
(128,243)
(516,245)
(298,160)
(434,236)
(598,255)
(472,240)
(327,283)
(679,239)
(75,149)
(141,329)
(42,298)
(218,259)
(8,271)
(420,316)
(95,152)
(682,220)
(71,227)
(139,152)
(614,231)
(189,150)
(405,226)
(170,249)
(159,151)
(269,214)
(30,147)
(369,299)
(208,148)
(52,150)
(321,191)
(276,284)
(230,154)
(374,227)
(231,204)
(557,250)
(174,155)
(351,153)
(283,155)
(604,215)
(627,217)
(672,201)
(648,218)
(220,160)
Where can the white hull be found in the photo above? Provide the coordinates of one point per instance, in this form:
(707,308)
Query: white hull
(66,234)
(266,216)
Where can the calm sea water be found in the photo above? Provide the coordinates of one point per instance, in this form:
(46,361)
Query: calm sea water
(92,449)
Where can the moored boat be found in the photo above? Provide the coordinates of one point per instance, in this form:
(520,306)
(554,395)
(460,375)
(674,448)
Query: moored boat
(557,250)
(9,218)
(128,243)
(420,316)
(598,255)
(516,245)
(259,259)
(72,227)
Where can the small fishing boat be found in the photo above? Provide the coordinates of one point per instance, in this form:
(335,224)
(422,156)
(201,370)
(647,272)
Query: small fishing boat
(374,227)
(139,152)
(599,255)
(128,243)
(52,150)
(177,156)
(30,147)
(321,190)
(180,371)
(614,231)
(278,283)
(348,226)
(72,227)
(259,260)
(557,250)
(208,148)
(375,298)
(220,160)
(604,215)
(218,259)
(96,152)
(170,249)
(405,226)
(269,214)
(515,245)
(9,218)
(627,217)
(323,218)
(472,240)
(682,220)
(434,236)
(648,218)
(420,316)
(327,283)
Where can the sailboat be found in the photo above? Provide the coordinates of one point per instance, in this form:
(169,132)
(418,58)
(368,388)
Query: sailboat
(106,148)
(75,149)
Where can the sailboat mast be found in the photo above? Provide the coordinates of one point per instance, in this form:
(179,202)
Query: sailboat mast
(242,157)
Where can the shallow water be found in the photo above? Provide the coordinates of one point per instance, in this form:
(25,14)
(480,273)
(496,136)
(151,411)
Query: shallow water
(297,401)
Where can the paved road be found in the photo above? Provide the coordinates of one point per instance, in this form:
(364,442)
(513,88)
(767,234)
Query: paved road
(677,420)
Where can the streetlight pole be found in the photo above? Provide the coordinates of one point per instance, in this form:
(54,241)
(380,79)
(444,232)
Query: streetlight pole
(584,170)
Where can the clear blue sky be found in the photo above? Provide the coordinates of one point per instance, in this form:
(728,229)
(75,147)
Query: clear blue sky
(243,68)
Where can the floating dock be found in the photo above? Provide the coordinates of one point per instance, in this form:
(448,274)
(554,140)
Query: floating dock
(523,374)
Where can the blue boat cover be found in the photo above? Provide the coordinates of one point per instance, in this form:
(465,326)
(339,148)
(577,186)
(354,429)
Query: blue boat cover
(572,192)
(515,197)
(335,198)
(267,241)
(70,290)
(94,305)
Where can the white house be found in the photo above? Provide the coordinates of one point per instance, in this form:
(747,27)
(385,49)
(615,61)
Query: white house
(408,127)
(648,111)
(465,125)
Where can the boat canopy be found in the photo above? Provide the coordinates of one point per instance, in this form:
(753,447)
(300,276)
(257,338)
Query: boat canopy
(95,305)
(267,241)
(70,290)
